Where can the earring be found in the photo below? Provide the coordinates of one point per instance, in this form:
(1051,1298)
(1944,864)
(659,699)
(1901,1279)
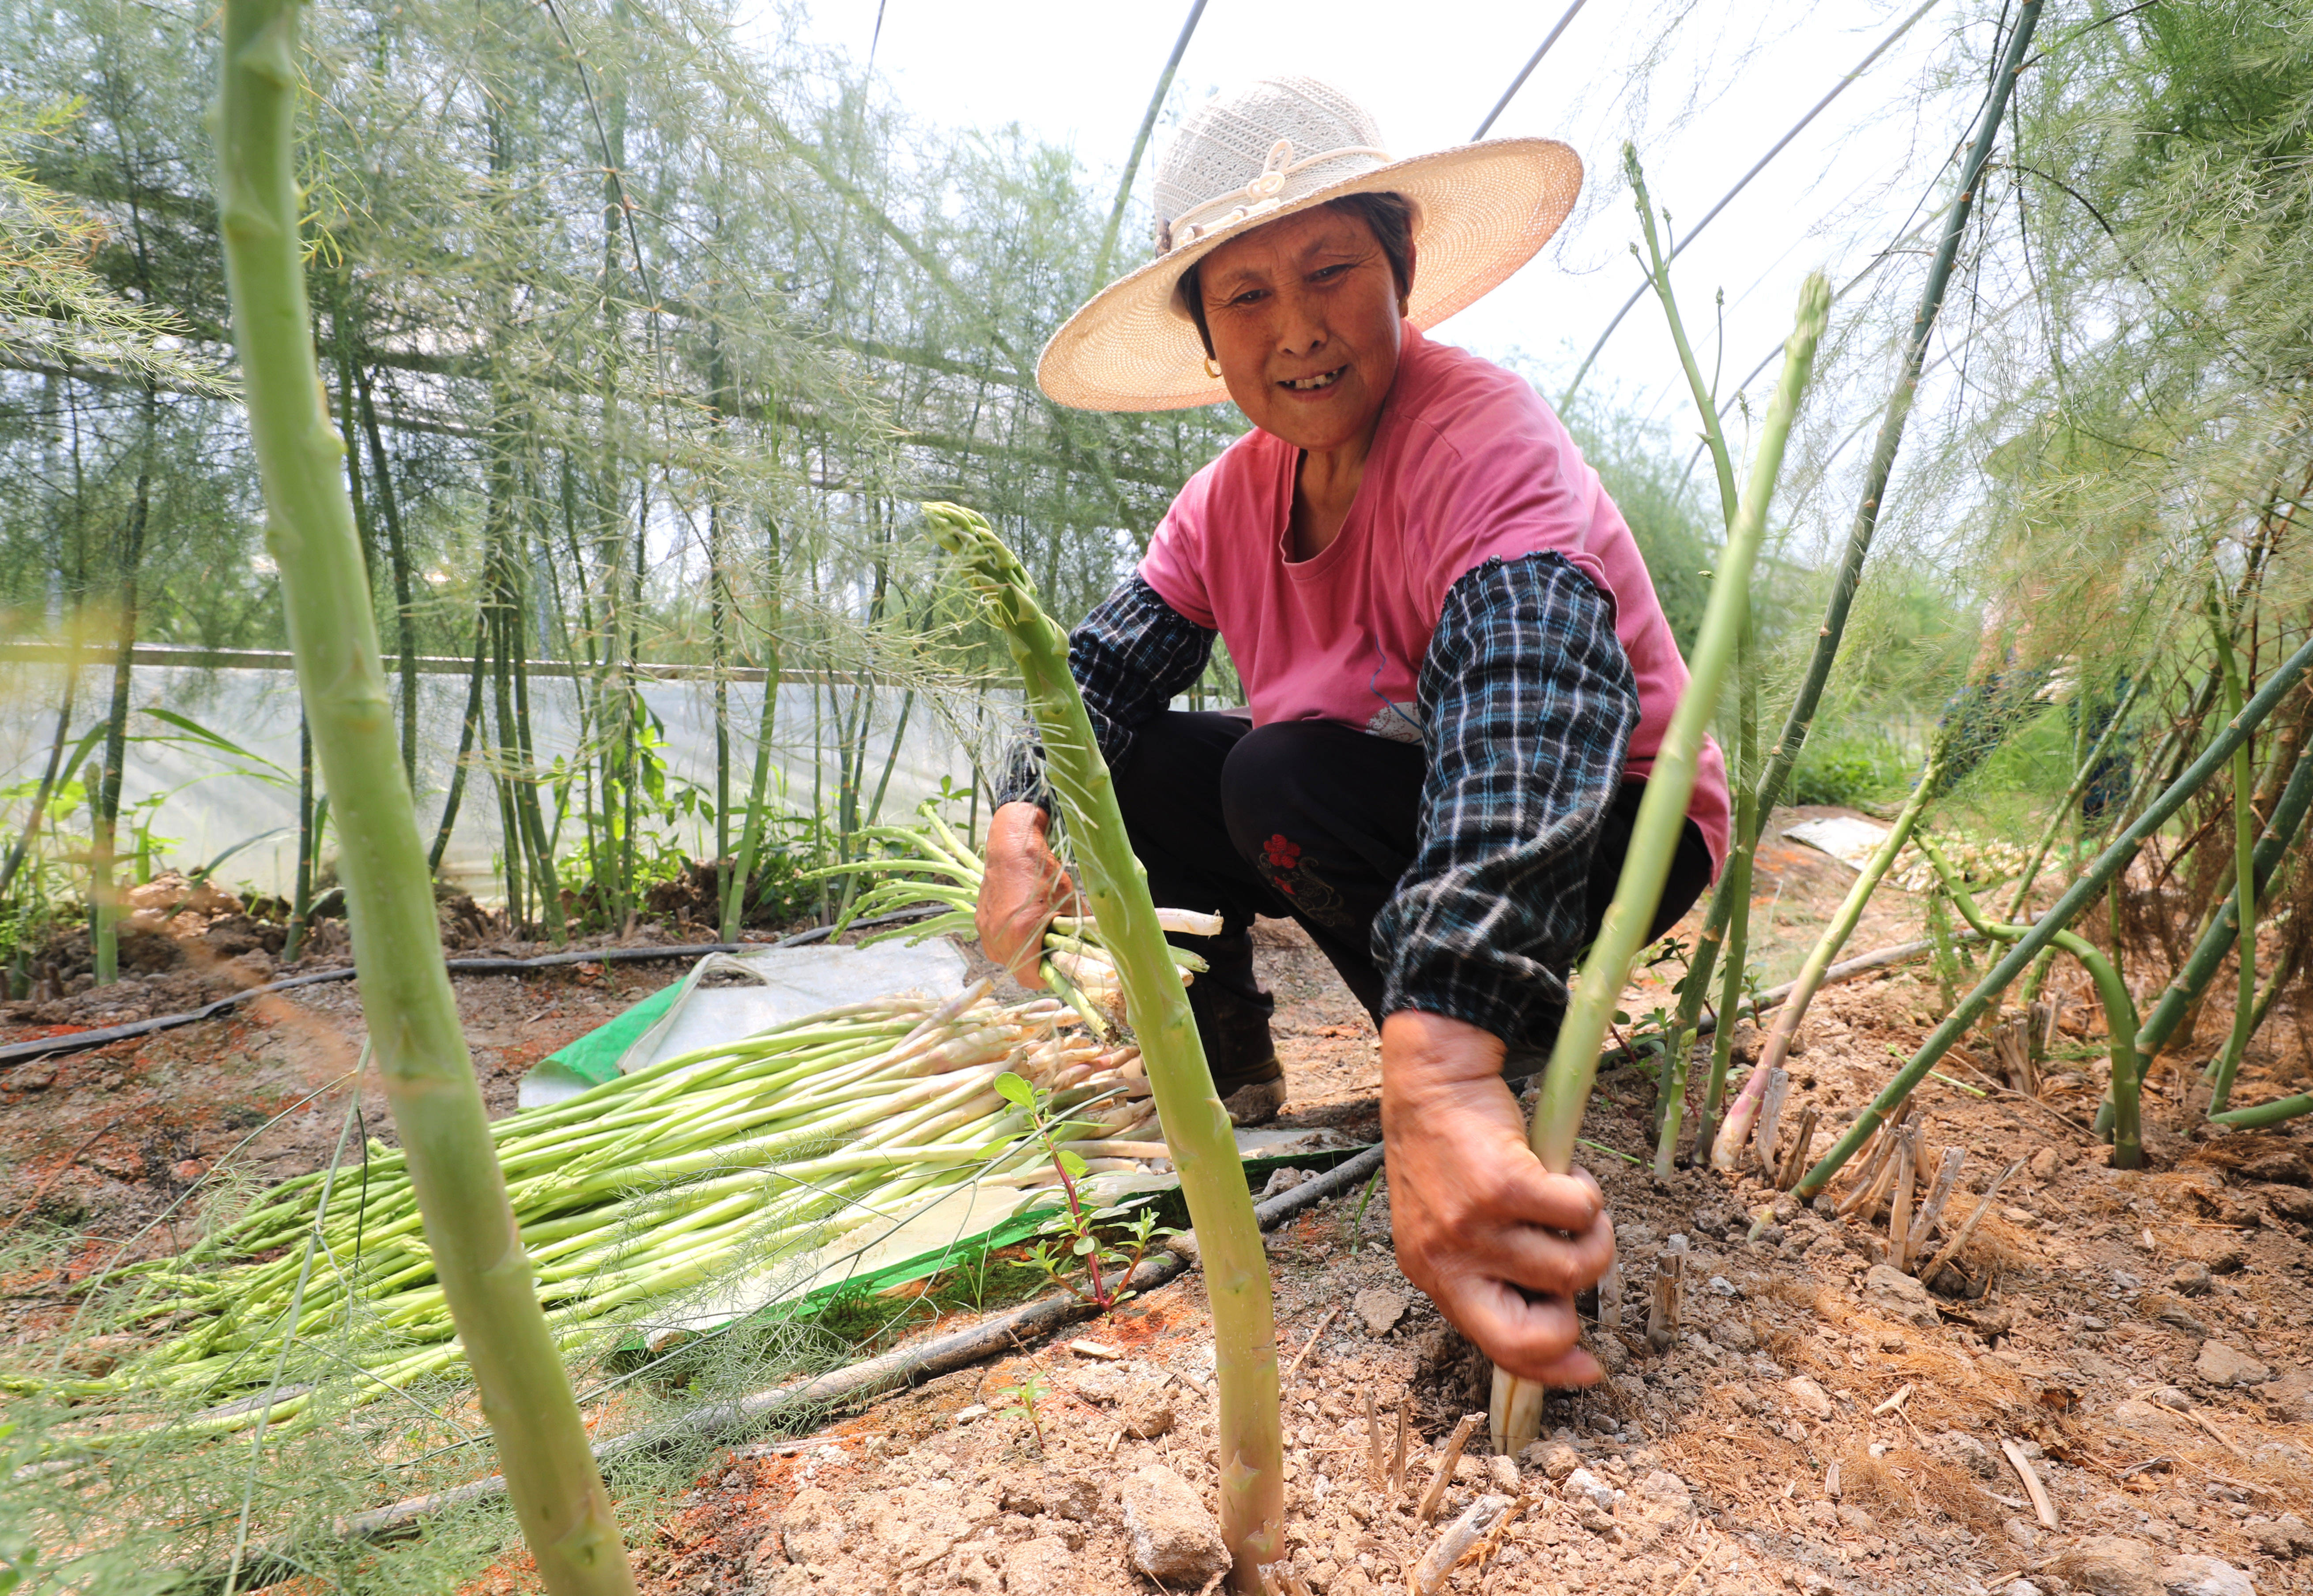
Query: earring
(1212,368)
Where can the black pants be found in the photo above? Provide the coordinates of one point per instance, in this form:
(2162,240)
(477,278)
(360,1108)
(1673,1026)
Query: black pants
(1333,815)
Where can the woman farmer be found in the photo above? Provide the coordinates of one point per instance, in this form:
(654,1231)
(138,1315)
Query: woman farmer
(1455,669)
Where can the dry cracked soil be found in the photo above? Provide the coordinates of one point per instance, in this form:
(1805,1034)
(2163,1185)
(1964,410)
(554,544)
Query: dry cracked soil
(2112,1393)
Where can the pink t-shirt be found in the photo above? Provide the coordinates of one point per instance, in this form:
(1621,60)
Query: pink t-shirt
(1467,464)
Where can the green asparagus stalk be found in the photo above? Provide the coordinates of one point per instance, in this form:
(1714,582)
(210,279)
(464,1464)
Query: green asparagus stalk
(2065,805)
(1800,716)
(1714,437)
(557,1490)
(751,835)
(2100,875)
(2245,829)
(2264,1114)
(2119,1005)
(2200,966)
(1674,1067)
(1196,1127)
(1820,957)
(1742,774)
(1738,935)
(1516,1408)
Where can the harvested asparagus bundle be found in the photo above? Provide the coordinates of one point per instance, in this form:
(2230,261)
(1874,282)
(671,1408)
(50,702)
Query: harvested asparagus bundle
(932,865)
(684,1175)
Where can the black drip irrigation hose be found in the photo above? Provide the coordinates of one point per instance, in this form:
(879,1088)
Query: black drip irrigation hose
(815,1398)
(80,1041)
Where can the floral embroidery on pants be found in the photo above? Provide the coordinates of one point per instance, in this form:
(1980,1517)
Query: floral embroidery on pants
(1281,866)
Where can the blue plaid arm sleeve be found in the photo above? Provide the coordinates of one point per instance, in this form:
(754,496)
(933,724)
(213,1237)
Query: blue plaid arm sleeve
(1131,656)
(1528,704)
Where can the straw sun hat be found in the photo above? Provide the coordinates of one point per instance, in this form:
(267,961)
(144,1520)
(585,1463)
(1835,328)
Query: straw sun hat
(1276,146)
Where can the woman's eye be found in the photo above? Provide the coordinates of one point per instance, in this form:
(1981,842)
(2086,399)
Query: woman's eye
(1326,274)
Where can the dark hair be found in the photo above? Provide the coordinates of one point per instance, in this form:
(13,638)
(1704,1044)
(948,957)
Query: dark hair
(1388,215)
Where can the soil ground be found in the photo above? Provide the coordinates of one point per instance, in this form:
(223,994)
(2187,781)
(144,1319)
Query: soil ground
(2139,1340)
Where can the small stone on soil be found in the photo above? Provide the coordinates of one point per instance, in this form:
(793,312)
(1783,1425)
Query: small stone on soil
(2205,1576)
(1667,1490)
(1582,1486)
(1897,1294)
(1042,1567)
(1099,1384)
(1174,1539)
(2164,1309)
(2110,1566)
(2219,1365)
(2287,1535)
(1555,1459)
(1146,1413)
(1379,1308)
(1812,1400)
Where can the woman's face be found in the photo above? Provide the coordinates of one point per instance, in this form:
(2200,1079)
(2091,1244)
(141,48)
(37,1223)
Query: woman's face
(1305,323)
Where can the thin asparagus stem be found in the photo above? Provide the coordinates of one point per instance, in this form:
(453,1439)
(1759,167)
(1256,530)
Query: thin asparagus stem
(1833,629)
(1833,937)
(2098,876)
(2119,1006)
(2227,1061)
(1738,933)
(1516,1408)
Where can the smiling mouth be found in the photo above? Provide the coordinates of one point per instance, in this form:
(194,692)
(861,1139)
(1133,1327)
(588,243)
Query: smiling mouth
(1311,385)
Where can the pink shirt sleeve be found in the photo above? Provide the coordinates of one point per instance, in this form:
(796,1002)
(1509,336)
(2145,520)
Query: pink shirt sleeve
(1174,565)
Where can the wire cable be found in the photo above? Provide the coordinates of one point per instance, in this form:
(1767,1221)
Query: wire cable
(1525,71)
(1141,142)
(1743,182)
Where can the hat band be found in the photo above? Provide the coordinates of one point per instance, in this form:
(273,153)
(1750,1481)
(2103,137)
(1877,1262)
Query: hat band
(1264,194)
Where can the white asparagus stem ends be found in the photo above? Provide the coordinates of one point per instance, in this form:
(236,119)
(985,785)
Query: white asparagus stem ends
(1455,1541)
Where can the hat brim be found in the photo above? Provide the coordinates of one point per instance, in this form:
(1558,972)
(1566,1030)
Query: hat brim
(1483,211)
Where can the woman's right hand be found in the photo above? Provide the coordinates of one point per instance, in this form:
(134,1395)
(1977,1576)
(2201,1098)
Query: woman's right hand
(1024,887)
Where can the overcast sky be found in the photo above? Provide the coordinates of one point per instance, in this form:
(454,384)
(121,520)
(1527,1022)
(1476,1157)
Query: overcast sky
(1733,79)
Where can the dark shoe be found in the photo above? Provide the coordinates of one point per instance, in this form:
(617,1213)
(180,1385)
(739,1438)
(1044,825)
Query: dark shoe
(1257,1102)
(1233,1026)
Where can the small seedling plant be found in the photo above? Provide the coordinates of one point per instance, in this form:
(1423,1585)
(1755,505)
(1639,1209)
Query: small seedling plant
(1074,1242)
(1027,1391)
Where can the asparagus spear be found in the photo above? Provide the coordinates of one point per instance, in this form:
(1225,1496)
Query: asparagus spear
(1516,1408)
(1197,1129)
(558,1491)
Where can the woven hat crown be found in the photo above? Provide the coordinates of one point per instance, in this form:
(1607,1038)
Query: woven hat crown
(1253,149)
